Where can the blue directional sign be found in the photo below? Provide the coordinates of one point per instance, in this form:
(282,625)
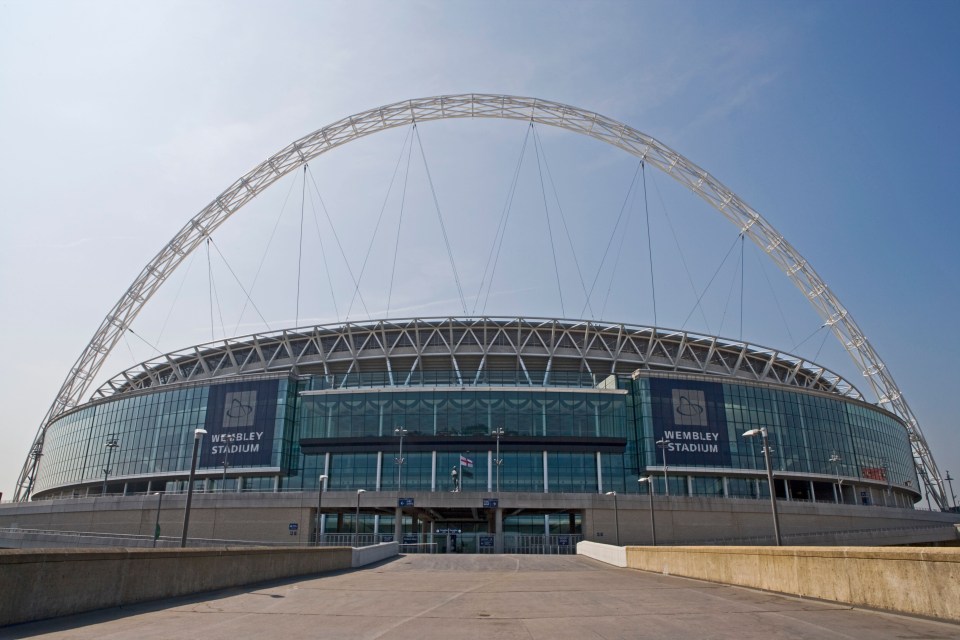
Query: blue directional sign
(293,526)
(563,541)
(486,542)
(491,503)
(404,502)
(409,538)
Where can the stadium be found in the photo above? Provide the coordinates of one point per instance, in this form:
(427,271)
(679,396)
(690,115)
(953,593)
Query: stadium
(483,434)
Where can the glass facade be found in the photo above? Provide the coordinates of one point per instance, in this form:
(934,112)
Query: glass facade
(570,435)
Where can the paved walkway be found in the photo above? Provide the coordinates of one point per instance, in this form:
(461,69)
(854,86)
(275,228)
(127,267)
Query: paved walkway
(490,598)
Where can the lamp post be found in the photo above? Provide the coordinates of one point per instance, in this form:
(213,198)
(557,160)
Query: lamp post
(653,525)
(197,437)
(616,514)
(663,443)
(226,453)
(773,492)
(156,527)
(835,459)
(322,481)
(356,520)
(497,461)
(110,445)
(400,431)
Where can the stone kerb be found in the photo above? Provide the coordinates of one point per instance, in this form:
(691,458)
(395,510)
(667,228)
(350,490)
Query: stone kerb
(916,581)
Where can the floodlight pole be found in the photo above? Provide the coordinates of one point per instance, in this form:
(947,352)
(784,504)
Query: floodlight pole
(653,524)
(497,461)
(835,459)
(400,431)
(663,443)
(762,431)
(110,445)
(197,437)
(356,520)
(322,481)
(616,514)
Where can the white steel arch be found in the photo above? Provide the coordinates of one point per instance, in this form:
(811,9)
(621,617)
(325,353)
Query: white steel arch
(472,105)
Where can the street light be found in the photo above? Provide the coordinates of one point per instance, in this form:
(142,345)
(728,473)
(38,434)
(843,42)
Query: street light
(835,459)
(498,461)
(156,527)
(229,437)
(322,481)
(197,437)
(400,431)
(653,525)
(663,443)
(110,445)
(356,520)
(616,513)
(773,493)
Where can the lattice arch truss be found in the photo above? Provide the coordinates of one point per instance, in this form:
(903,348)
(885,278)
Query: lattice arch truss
(399,114)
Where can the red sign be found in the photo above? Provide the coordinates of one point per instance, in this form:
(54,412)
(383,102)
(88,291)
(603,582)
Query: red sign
(874,473)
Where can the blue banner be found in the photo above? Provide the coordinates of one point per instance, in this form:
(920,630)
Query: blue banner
(240,422)
(690,417)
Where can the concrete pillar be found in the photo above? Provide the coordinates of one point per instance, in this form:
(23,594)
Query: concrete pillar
(379,469)
(398,525)
(433,470)
(546,475)
(489,470)
(599,475)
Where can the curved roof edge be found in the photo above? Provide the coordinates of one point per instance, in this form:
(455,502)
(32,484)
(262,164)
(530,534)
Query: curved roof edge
(469,346)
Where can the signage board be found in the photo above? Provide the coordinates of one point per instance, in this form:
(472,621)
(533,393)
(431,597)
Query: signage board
(386,538)
(409,538)
(491,503)
(563,541)
(445,530)
(486,542)
(404,502)
(240,422)
(691,417)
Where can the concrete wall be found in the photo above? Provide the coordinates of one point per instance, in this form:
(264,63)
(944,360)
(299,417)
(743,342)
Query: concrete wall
(915,581)
(363,556)
(43,584)
(617,556)
(265,517)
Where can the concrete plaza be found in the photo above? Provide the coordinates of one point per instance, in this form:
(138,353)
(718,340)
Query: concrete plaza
(453,597)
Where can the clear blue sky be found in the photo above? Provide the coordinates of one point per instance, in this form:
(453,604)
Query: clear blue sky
(837,121)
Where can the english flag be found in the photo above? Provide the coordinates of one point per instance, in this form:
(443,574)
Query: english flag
(466,462)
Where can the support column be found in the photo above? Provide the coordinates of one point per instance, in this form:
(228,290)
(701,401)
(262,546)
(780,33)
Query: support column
(498,531)
(546,475)
(398,525)
(433,473)
(599,474)
(379,469)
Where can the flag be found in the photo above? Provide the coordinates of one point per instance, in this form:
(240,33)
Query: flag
(466,467)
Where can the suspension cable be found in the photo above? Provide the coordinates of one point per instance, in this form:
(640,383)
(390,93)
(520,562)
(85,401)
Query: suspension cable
(776,300)
(613,234)
(266,250)
(632,193)
(707,288)
(546,212)
(646,210)
(376,228)
(176,297)
(396,244)
(683,259)
(215,295)
(323,256)
(303,198)
(143,340)
(743,268)
(733,282)
(240,284)
(563,218)
(443,228)
(343,254)
(501,229)
(210,290)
